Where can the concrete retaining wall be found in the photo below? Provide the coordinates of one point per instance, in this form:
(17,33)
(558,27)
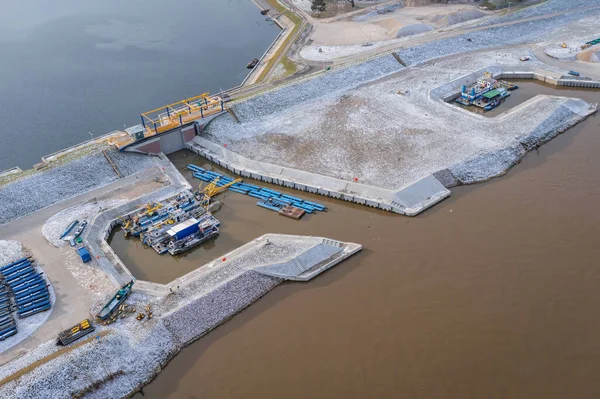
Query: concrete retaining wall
(376,197)
(96,236)
(171,141)
(11,171)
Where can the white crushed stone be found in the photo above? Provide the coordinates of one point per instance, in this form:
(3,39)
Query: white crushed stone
(459,16)
(413,29)
(10,251)
(45,188)
(547,7)
(522,32)
(56,225)
(329,53)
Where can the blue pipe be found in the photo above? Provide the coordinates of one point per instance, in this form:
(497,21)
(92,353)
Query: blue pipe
(13,264)
(15,276)
(27,284)
(34,299)
(8,333)
(32,305)
(35,310)
(33,290)
(15,268)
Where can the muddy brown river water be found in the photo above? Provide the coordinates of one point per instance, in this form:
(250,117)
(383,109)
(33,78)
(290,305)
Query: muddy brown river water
(492,293)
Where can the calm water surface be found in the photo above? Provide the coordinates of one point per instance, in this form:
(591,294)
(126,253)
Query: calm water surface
(72,67)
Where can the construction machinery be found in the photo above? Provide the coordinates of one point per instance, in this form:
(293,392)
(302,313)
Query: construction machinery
(213,189)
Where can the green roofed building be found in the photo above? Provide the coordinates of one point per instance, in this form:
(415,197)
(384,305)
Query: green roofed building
(492,93)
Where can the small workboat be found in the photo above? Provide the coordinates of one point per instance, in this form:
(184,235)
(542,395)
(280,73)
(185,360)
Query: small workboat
(252,63)
(115,301)
(77,232)
(193,240)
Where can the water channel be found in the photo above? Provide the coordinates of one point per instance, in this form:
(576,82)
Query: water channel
(492,293)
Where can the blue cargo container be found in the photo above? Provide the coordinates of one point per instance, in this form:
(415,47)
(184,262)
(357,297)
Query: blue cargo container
(84,254)
(184,229)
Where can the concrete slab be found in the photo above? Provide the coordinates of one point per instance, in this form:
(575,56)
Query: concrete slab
(293,268)
(420,195)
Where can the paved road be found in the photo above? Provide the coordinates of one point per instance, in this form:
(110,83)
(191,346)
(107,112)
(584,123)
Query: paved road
(589,69)
(72,300)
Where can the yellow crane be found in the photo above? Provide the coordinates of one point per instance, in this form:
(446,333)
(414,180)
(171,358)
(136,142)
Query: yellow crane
(211,190)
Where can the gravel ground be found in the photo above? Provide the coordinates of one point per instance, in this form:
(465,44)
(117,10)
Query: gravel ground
(55,226)
(329,53)
(524,32)
(459,17)
(310,89)
(413,29)
(548,7)
(376,13)
(10,251)
(42,189)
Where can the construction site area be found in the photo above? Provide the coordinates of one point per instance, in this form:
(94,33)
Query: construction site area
(137,243)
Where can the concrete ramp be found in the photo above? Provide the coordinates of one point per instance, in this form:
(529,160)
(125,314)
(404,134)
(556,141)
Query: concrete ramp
(420,195)
(306,265)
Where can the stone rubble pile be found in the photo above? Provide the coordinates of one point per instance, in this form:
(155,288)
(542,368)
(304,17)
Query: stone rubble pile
(45,188)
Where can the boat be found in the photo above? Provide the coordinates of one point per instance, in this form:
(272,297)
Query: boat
(252,63)
(292,212)
(69,228)
(115,301)
(77,232)
(492,99)
(524,58)
(192,233)
(74,333)
(265,11)
(507,85)
(193,240)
